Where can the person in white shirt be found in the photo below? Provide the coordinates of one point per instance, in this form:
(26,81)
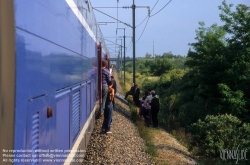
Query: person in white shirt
(148,100)
(147,106)
(111,69)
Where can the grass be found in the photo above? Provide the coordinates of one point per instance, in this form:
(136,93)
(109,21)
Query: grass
(174,128)
(144,132)
(181,136)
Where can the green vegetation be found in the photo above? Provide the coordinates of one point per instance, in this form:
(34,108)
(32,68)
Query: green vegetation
(207,92)
(143,131)
(220,132)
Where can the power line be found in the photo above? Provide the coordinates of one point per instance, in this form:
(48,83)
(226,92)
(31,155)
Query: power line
(142,21)
(130,46)
(143,30)
(152,16)
(108,7)
(112,42)
(112,17)
(161,9)
(154,6)
(150,12)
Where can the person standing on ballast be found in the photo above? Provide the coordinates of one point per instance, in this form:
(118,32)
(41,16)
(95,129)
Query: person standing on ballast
(105,80)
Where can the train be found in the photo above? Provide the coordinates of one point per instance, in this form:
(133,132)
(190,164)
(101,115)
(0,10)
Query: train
(50,80)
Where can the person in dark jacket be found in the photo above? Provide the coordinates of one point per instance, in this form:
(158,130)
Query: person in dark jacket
(155,108)
(130,92)
(136,95)
(105,80)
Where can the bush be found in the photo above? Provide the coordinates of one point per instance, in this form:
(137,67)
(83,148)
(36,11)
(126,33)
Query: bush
(137,75)
(218,133)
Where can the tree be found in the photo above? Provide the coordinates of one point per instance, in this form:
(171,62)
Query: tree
(148,55)
(160,65)
(219,65)
(168,55)
(208,63)
(237,25)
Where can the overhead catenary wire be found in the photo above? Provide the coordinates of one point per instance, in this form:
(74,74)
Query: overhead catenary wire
(152,16)
(161,9)
(150,12)
(112,17)
(112,42)
(143,30)
(129,47)
(147,20)
(141,22)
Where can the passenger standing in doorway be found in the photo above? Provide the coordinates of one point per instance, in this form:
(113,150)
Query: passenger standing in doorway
(114,87)
(108,112)
(105,80)
(155,108)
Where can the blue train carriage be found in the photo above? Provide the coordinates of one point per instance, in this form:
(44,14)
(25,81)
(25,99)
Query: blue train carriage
(50,80)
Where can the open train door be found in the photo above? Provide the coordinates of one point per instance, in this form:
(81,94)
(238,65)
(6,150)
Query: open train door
(99,68)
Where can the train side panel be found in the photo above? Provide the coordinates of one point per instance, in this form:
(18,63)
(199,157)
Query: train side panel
(56,78)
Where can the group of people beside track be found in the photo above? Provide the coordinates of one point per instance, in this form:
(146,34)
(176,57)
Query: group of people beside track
(108,94)
(149,105)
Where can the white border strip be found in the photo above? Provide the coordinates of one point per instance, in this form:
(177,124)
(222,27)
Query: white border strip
(59,94)
(78,14)
(79,139)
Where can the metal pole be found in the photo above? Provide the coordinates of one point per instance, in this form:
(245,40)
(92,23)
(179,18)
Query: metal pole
(121,60)
(153,50)
(133,9)
(118,64)
(124,57)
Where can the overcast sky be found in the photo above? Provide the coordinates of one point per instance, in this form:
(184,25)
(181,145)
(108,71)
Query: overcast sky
(171,29)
